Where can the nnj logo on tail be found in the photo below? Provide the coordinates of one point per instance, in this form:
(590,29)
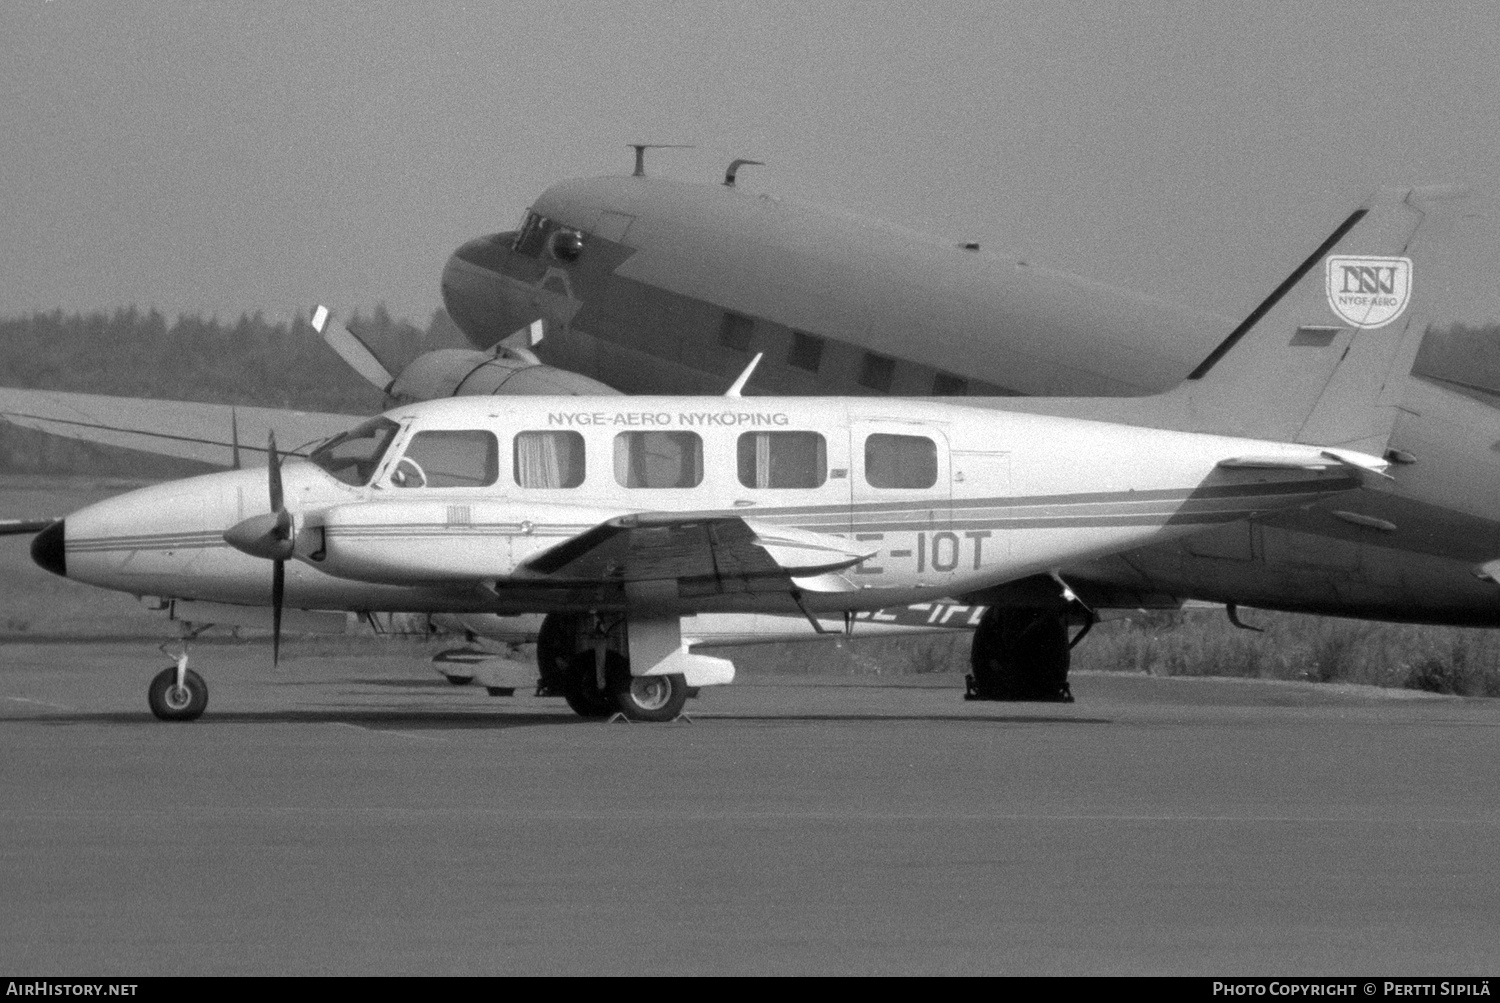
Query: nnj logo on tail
(1368,291)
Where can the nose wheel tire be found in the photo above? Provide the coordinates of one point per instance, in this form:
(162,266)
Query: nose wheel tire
(171,702)
(650,698)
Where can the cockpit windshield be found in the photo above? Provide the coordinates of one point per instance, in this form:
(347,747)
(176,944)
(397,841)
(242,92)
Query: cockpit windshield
(353,456)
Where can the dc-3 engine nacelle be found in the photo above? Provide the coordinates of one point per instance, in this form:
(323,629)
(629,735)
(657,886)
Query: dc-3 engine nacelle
(459,372)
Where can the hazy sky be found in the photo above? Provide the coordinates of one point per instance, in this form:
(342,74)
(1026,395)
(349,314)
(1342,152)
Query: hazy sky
(224,156)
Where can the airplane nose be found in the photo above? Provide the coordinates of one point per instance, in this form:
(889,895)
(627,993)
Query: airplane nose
(484,300)
(48,551)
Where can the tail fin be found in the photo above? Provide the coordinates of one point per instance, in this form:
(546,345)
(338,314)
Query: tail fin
(1321,360)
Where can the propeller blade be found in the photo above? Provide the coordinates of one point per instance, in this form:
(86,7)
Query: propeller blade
(274,470)
(353,351)
(278,593)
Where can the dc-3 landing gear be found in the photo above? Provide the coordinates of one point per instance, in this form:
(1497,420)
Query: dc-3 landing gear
(588,659)
(177,693)
(1023,654)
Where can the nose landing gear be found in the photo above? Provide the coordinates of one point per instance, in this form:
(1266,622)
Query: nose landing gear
(177,693)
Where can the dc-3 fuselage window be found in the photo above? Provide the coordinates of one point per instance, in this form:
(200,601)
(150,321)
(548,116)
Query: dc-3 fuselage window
(443,458)
(353,456)
(658,459)
(900,461)
(549,459)
(783,460)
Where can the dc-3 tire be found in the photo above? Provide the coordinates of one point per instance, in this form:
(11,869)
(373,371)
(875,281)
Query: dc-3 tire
(1020,654)
(650,698)
(171,703)
(581,683)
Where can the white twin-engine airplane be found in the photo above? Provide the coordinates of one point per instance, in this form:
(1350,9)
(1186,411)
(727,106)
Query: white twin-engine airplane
(635,512)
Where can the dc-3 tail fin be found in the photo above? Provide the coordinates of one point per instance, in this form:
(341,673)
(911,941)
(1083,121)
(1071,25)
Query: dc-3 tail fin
(1322,359)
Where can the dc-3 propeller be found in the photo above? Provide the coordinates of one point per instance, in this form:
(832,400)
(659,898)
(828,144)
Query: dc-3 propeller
(271,536)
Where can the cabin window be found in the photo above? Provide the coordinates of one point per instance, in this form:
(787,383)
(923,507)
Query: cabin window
(353,456)
(549,459)
(900,461)
(735,332)
(806,352)
(658,459)
(448,459)
(944,385)
(783,460)
(878,372)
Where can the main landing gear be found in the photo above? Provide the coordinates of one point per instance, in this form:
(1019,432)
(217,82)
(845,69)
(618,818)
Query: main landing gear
(585,658)
(1022,654)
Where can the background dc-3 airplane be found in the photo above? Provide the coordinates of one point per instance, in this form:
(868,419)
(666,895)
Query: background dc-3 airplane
(652,282)
(630,513)
(1413,548)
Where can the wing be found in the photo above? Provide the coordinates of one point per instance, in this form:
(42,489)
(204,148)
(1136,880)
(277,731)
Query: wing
(706,552)
(221,434)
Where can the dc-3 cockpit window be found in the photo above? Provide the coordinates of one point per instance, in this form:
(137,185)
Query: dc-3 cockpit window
(353,456)
(658,459)
(443,458)
(783,460)
(549,459)
(532,237)
(900,461)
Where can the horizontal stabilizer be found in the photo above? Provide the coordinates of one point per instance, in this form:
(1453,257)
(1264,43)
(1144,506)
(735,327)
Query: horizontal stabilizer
(1323,459)
(18,527)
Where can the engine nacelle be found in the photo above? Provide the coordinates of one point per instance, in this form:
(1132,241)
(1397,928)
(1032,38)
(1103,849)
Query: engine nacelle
(461,372)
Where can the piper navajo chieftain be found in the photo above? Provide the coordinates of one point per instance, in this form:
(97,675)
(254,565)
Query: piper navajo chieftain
(626,514)
(1413,548)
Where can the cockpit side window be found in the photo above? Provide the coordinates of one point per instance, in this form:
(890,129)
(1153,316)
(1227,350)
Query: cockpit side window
(532,238)
(444,458)
(354,456)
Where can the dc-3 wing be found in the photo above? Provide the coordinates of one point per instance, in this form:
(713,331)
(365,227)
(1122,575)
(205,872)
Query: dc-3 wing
(221,434)
(711,548)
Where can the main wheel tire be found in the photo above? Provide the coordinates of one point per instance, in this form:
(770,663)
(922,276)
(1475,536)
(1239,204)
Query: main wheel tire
(1020,654)
(555,649)
(459,680)
(171,702)
(581,684)
(650,698)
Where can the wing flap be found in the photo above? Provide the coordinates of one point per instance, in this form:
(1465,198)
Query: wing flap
(722,550)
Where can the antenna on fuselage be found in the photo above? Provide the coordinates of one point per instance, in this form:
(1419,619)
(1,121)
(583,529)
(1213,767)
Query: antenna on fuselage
(734,169)
(640,153)
(739,384)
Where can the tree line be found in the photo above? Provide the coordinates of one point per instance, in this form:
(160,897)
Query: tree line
(135,353)
(253,361)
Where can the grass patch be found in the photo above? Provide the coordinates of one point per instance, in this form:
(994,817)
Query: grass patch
(1456,660)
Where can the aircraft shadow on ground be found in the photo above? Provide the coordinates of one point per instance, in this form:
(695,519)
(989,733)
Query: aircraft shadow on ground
(931,718)
(389,720)
(447,720)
